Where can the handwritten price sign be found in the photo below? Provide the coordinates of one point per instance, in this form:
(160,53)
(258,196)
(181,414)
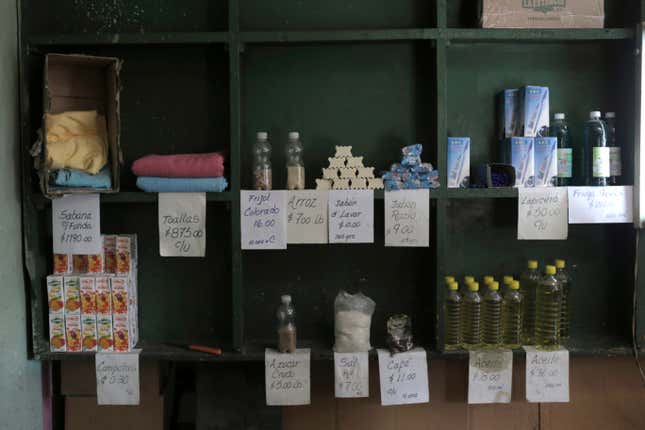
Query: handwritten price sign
(263,219)
(404,377)
(547,375)
(182,224)
(407,218)
(287,377)
(542,214)
(600,205)
(117,378)
(490,376)
(76,224)
(351,373)
(307,216)
(351,216)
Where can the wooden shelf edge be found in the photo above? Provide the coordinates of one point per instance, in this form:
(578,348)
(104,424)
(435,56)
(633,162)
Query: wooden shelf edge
(339,35)
(41,201)
(186,38)
(460,35)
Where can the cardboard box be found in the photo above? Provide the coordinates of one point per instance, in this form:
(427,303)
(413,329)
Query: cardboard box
(55,295)
(522,156)
(104,332)
(72,295)
(57,341)
(88,327)
(508,113)
(546,165)
(88,295)
(73,333)
(83,413)
(76,83)
(458,162)
(542,13)
(103,295)
(534,111)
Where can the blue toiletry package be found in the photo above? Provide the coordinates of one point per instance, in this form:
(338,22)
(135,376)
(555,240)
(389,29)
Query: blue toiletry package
(534,111)
(458,162)
(546,161)
(508,113)
(522,155)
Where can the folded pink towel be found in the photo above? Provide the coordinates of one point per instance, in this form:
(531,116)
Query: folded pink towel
(207,165)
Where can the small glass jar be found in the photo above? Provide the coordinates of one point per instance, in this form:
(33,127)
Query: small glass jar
(295,164)
(262,173)
(286,325)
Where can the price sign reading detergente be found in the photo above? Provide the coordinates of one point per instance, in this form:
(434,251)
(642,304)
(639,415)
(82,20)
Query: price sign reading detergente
(263,219)
(182,224)
(542,214)
(76,224)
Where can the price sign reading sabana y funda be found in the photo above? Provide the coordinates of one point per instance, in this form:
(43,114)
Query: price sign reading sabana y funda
(182,224)
(76,224)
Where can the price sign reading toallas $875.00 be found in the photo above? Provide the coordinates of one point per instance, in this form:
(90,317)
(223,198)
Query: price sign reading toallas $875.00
(182,224)
(542,214)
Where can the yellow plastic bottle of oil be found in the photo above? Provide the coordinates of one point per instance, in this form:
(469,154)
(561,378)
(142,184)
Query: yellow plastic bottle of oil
(448,279)
(452,318)
(468,279)
(529,281)
(565,281)
(471,317)
(492,316)
(548,306)
(506,281)
(512,317)
(488,279)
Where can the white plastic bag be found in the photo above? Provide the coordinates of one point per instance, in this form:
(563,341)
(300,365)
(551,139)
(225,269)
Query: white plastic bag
(352,322)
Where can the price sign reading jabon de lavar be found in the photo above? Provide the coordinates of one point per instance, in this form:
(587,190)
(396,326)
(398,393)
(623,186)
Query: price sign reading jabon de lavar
(182,224)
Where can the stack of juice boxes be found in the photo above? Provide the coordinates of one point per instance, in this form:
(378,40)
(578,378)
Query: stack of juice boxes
(93,299)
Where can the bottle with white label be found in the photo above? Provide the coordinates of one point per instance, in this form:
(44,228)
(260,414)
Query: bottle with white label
(615,151)
(596,152)
(560,129)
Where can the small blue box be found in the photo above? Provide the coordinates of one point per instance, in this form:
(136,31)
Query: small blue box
(458,162)
(508,113)
(546,161)
(522,158)
(534,111)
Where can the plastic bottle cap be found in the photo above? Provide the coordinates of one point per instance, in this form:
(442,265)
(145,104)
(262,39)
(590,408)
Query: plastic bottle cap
(286,299)
(550,270)
(294,135)
(473,286)
(453,286)
(559,116)
(610,115)
(262,135)
(533,264)
(559,264)
(449,279)
(508,279)
(594,114)
(488,279)
(469,279)
(515,285)
(493,286)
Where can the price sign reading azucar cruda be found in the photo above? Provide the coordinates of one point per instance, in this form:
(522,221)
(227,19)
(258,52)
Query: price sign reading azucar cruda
(182,224)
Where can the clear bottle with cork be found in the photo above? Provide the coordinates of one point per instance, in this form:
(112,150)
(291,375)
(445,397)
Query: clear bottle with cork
(286,325)
(262,173)
(295,163)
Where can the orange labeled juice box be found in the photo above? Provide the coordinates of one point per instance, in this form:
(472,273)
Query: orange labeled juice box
(62,264)
(73,333)
(88,295)
(119,295)
(55,296)
(57,333)
(72,295)
(79,263)
(104,333)
(109,253)
(122,255)
(88,325)
(121,333)
(95,264)
(103,295)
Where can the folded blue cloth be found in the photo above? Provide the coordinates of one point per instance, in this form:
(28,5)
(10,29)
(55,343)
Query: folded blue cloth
(79,179)
(153,184)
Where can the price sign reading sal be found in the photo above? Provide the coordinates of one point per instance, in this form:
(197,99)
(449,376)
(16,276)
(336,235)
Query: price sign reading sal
(404,377)
(182,224)
(76,224)
(287,377)
(542,213)
(351,373)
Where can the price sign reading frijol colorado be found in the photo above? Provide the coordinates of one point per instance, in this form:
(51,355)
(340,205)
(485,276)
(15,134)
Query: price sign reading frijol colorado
(600,205)
(542,214)
(263,219)
(351,216)
(307,216)
(490,376)
(182,224)
(351,373)
(76,224)
(547,375)
(117,378)
(287,377)
(407,218)
(404,377)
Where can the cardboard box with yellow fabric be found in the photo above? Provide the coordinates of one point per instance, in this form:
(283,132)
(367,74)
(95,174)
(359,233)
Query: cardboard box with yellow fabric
(542,13)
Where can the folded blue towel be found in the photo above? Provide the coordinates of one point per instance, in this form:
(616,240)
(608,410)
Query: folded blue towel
(153,184)
(79,179)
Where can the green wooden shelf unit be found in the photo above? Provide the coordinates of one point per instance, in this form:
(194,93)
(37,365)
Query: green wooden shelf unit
(204,75)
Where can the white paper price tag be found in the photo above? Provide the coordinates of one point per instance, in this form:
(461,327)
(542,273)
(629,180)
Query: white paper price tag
(407,218)
(351,216)
(307,216)
(117,378)
(542,214)
(600,205)
(76,224)
(404,377)
(351,374)
(263,219)
(287,377)
(490,376)
(182,224)
(547,375)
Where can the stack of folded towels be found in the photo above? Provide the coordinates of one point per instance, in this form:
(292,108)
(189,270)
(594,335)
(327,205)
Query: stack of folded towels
(181,173)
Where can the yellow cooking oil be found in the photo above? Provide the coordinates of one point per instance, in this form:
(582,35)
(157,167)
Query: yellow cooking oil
(564,277)
(471,317)
(528,284)
(452,318)
(492,316)
(548,305)
(512,317)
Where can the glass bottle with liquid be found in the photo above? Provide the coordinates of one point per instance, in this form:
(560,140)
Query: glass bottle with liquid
(615,150)
(560,129)
(529,281)
(286,325)
(492,316)
(471,317)
(596,152)
(452,317)
(512,317)
(262,173)
(295,163)
(563,276)
(548,303)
